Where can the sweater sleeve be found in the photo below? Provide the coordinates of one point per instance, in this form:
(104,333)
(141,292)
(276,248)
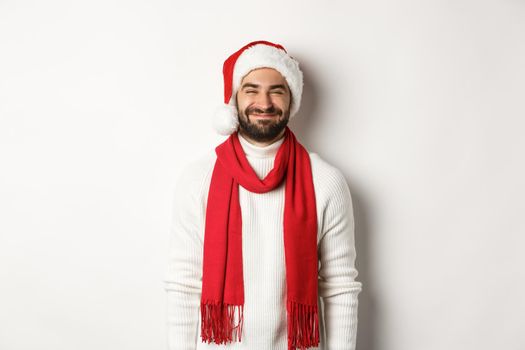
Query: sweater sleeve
(183,276)
(337,285)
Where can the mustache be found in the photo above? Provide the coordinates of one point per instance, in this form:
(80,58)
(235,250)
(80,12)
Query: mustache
(269,110)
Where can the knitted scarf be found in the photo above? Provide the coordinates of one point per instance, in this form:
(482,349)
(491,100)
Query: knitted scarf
(222,280)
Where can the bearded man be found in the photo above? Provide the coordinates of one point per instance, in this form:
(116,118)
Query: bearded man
(263,230)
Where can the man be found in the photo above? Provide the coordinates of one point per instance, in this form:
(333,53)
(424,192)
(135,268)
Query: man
(263,230)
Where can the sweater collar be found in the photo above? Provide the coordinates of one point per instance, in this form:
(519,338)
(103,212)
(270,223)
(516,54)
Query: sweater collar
(252,150)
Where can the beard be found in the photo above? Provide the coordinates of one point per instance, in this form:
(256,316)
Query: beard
(263,130)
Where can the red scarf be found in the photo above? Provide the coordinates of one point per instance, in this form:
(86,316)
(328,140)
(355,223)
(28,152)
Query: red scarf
(222,280)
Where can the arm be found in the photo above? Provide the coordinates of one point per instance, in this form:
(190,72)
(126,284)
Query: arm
(337,285)
(183,277)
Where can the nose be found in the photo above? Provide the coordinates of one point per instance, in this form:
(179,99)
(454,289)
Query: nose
(264,101)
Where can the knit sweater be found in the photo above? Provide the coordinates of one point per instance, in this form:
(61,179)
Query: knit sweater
(264,270)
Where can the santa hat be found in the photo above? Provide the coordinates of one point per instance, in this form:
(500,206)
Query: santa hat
(257,54)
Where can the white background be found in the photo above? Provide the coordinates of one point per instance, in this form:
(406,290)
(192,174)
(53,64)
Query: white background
(419,103)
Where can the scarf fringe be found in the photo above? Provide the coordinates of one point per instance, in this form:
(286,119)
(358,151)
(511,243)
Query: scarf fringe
(303,326)
(217,322)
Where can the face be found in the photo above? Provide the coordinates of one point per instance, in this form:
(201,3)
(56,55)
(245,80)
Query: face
(263,105)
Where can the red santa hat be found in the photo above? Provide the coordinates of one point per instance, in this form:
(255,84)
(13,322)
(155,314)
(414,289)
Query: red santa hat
(257,54)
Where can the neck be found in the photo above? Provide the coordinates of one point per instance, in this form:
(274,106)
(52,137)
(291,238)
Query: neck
(252,150)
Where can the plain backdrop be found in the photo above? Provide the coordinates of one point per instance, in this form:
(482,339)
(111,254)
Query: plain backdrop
(419,103)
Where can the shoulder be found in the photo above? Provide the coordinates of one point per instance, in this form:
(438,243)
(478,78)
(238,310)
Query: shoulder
(329,182)
(198,168)
(327,176)
(195,173)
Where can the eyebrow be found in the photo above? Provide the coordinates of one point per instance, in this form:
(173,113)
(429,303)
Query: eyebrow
(272,87)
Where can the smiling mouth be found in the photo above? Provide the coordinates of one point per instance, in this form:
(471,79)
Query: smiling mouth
(264,115)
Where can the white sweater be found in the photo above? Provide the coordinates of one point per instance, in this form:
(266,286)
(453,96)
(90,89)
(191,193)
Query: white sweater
(264,267)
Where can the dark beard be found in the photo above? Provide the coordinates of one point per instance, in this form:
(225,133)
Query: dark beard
(263,130)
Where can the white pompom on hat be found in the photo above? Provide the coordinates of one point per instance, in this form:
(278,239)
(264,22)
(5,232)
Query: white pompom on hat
(257,54)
